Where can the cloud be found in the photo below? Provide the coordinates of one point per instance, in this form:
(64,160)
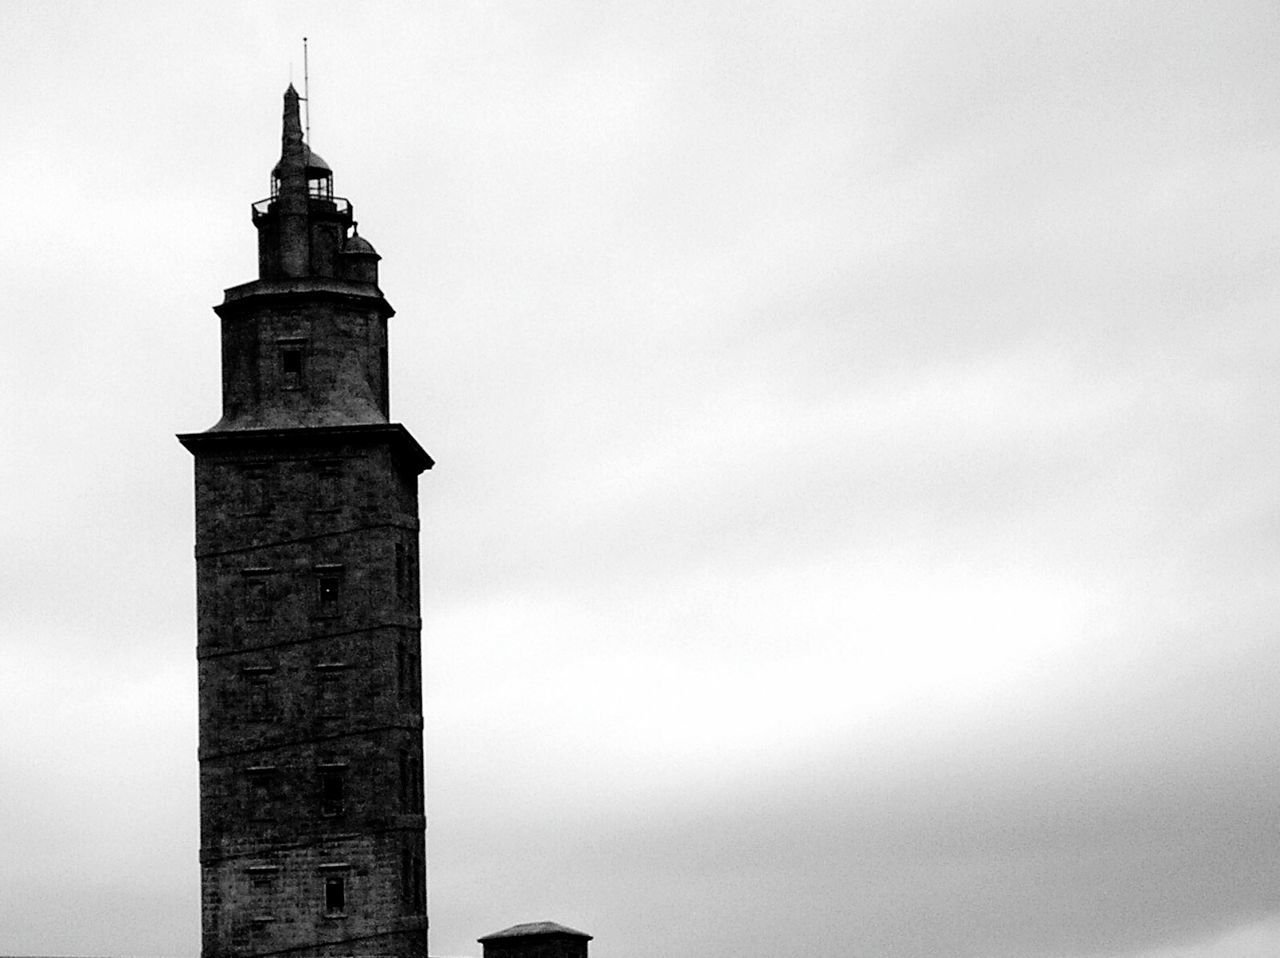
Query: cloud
(854,522)
(1253,940)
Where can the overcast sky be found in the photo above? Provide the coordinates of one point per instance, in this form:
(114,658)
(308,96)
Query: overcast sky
(856,526)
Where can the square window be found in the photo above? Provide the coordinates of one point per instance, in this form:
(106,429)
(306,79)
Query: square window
(262,886)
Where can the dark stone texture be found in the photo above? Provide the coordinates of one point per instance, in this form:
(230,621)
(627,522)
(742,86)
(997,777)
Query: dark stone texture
(310,695)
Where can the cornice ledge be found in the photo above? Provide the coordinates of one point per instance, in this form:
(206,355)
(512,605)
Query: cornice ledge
(269,291)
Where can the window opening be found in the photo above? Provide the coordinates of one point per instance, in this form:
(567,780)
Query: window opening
(261,696)
(261,787)
(263,879)
(335,896)
(328,477)
(255,498)
(328,592)
(332,701)
(256,598)
(320,187)
(332,792)
(291,366)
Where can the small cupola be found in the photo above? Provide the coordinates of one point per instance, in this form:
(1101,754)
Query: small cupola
(358,260)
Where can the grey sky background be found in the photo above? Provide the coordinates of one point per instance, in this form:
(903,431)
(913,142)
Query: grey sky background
(857,520)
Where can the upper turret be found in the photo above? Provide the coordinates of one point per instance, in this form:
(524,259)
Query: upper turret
(302,226)
(305,344)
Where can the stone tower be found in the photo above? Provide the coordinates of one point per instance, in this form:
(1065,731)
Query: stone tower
(311,808)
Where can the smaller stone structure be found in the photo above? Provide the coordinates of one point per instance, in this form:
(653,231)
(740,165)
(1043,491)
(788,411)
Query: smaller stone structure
(536,939)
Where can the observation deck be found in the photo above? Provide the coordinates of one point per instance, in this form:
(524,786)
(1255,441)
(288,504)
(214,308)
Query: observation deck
(318,202)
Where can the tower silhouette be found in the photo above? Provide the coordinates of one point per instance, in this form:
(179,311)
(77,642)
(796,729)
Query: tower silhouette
(311,808)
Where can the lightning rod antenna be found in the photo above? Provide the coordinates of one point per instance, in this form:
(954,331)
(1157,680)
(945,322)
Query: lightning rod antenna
(306,90)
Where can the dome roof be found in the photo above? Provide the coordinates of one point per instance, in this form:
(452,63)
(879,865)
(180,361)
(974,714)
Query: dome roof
(316,166)
(358,244)
(314,162)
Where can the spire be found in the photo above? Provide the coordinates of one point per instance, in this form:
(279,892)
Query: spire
(292,123)
(295,251)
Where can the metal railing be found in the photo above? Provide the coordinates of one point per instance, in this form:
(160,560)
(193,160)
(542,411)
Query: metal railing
(339,204)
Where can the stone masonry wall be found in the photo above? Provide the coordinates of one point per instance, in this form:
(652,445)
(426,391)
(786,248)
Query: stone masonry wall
(310,695)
